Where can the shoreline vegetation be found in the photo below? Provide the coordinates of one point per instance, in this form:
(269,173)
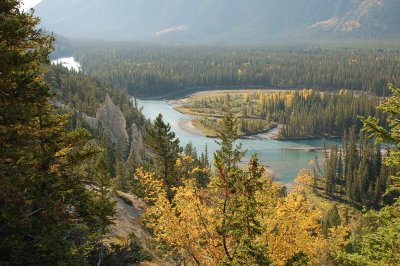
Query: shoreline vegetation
(258,120)
(193,126)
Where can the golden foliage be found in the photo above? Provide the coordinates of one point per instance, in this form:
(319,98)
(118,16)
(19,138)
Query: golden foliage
(152,185)
(187,224)
(294,226)
(188,168)
(289,224)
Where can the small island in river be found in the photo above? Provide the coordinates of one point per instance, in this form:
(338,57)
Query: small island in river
(207,109)
(274,114)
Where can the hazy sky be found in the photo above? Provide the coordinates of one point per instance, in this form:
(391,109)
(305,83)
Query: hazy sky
(27,4)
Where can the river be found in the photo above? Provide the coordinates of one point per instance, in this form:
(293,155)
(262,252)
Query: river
(284,158)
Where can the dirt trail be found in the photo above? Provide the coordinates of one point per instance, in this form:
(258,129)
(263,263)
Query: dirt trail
(127,219)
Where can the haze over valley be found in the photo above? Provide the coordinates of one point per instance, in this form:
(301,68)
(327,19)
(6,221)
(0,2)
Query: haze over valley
(221,20)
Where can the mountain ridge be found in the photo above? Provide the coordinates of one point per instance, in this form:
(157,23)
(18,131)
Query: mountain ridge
(220,20)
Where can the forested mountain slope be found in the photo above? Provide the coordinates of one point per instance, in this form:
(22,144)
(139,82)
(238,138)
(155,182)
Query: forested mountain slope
(149,70)
(220,20)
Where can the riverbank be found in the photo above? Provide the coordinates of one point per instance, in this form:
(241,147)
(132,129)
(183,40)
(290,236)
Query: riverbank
(204,94)
(185,93)
(190,126)
(272,133)
(187,126)
(205,108)
(196,128)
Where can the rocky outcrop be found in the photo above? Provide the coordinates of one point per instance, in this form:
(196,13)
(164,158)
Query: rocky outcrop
(351,20)
(92,122)
(136,145)
(113,120)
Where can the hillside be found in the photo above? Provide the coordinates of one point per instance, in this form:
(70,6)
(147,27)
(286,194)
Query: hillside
(220,20)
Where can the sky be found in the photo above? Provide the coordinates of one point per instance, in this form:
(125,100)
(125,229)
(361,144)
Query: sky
(27,4)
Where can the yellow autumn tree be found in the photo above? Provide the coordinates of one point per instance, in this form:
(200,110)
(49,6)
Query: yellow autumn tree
(293,229)
(186,223)
(290,225)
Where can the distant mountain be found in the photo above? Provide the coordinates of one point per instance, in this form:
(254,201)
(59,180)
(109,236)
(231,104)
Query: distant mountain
(220,20)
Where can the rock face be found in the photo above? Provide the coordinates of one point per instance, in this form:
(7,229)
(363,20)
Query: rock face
(92,122)
(113,120)
(136,145)
(352,19)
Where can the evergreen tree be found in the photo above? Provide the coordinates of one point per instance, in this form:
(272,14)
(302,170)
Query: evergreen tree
(190,150)
(44,203)
(239,226)
(339,170)
(373,126)
(351,164)
(379,237)
(357,174)
(331,219)
(165,149)
(110,154)
(331,165)
(204,162)
(246,226)
(202,177)
(121,180)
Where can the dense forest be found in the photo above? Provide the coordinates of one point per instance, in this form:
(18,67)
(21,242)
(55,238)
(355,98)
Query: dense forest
(53,184)
(298,113)
(355,173)
(153,70)
(80,93)
(69,180)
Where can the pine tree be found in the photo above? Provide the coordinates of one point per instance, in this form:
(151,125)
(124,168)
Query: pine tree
(351,163)
(204,162)
(340,170)
(226,160)
(239,226)
(98,207)
(373,126)
(331,165)
(246,226)
(121,180)
(163,145)
(378,241)
(331,219)
(43,199)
